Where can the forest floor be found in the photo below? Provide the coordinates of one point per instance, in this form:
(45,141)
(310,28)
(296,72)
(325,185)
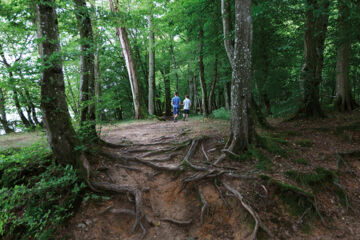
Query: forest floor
(301,182)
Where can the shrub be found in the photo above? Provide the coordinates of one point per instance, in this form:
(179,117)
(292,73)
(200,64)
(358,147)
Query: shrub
(36,194)
(221,113)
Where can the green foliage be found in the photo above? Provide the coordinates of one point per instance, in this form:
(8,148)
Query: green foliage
(312,179)
(301,161)
(304,143)
(221,113)
(36,193)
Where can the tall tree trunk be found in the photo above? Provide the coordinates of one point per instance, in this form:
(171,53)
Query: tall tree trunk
(165,72)
(213,85)
(56,117)
(317,15)
(227,95)
(196,95)
(174,63)
(242,129)
(19,110)
(204,99)
(123,38)
(97,73)
(343,89)
(3,118)
(151,84)
(191,87)
(87,66)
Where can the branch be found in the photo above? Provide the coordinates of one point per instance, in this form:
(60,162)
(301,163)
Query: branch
(229,46)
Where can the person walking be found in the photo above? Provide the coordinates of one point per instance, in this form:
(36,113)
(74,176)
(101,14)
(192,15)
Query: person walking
(175,103)
(186,110)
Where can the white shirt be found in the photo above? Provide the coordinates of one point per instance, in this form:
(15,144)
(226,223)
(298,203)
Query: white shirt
(187,104)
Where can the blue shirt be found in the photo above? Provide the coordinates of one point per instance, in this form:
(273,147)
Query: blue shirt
(176,101)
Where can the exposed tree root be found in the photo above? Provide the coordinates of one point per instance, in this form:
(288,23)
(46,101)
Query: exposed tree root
(100,186)
(172,149)
(205,154)
(254,214)
(220,159)
(165,159)
(190,153)
(127,167)
(110,145)
(221,194)
(158,167)
(204,207)
(178,222)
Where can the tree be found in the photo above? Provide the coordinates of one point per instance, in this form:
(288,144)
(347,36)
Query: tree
(242,130)
(211,101)
(87,69)
(151,94)
(204,99)
(3,118)
(60,133)
(317,14)
(123,38)
(344,100)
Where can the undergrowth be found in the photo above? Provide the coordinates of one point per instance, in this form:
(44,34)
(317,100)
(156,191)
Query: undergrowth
(36,194)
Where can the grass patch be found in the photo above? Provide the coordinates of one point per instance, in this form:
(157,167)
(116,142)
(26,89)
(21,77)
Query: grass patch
(36,194)
(304,143)
(18,140)
(301,161)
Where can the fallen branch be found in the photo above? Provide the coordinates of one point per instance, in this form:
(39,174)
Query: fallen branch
(204,153)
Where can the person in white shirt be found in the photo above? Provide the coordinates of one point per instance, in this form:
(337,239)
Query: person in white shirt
(187,105)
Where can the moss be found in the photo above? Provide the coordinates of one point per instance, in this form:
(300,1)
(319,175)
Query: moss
(296,199)
(292,133)
(301,161)
(351,127)
(270,145)
(312,179)
(304,143)
(264,163)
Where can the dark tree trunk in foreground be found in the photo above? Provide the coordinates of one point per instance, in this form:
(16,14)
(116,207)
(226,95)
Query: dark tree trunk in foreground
(151,81)
(317,15)
(87,68)
(211,102)
(56,117)
(3,118)
(242,130)
(204,99)
(343,90)
(196,95)
(122,35)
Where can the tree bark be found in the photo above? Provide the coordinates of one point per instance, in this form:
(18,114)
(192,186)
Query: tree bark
(56,117)
(19,110)
(87,67)
(3,118)
(165,72)
(227,95)
(242,129)
(151,84)
(317,15)
(213,85)
(174,64)
(196,95)
(204,99)
(123,38)
(343,90)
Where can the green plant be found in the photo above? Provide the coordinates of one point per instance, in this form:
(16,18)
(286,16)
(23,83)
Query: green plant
(301,161)
(36,193)
(221,113)
(304,143)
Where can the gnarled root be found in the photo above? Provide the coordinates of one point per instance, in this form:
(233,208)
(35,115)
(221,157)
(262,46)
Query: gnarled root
(178,222)
(100,186)
(254,214)
(204,207)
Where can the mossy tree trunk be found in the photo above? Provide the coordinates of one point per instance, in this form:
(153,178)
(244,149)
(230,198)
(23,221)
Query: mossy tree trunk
(60,133)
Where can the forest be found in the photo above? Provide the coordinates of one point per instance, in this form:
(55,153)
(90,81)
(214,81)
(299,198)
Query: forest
(89,148)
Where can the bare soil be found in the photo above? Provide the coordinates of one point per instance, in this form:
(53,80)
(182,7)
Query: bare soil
(167,195)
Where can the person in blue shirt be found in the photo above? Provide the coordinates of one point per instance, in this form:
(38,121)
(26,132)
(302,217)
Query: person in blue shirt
(175,103)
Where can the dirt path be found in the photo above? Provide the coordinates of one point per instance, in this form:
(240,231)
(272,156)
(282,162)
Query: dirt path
(169,195)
